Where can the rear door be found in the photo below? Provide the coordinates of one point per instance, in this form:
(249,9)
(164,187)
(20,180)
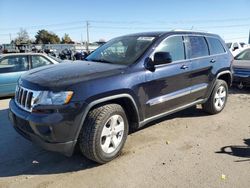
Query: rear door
(167,87)
(202,64)
(11,68)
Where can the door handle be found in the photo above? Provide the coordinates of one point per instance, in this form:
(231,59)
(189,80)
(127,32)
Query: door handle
(184,67)
(212,61)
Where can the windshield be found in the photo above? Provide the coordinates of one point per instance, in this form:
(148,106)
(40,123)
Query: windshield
(245,55)
(229,45)
(123,50)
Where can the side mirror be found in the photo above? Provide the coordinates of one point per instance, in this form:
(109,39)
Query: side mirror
(162,58)
(149,64)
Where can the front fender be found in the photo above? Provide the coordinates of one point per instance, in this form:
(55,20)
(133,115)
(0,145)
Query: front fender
(93,103)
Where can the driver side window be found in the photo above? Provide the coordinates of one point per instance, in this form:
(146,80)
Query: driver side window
(174,46)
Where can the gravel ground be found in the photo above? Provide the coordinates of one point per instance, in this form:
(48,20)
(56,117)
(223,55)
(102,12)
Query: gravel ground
(186,149)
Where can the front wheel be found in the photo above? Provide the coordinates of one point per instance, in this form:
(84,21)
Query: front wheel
(104,133)
(218,98)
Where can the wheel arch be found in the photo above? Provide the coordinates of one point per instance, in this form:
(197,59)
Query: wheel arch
(125,100)
(226,76)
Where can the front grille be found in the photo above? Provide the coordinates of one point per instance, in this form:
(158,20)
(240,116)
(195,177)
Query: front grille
(25,98)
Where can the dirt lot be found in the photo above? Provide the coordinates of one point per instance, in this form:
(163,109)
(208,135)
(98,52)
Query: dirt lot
(187,149)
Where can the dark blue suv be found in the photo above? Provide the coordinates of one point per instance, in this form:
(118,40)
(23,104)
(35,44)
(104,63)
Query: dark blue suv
(120,87)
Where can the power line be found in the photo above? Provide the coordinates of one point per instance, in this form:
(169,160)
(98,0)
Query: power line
(173,22)
(42,26)
(129,22)
(132,25)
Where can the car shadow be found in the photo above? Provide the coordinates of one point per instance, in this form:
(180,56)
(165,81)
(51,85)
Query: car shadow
(187,113)
(19,156)
(237,151)
(8,97)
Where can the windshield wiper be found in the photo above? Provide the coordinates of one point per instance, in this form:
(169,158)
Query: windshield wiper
(100,60)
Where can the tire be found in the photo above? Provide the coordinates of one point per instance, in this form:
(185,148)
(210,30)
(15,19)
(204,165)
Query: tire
(104,133)
(217,100)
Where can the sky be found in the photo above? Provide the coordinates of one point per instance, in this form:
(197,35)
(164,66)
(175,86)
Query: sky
(111,18)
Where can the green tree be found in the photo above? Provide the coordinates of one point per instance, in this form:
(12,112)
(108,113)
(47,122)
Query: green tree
(45,37)
(22,37)
(66,39)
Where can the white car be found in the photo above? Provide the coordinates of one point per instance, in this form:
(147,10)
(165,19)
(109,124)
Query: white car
(236,47)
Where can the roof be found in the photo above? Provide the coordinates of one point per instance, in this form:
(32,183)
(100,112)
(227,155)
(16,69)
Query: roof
(161,33)
(21,54)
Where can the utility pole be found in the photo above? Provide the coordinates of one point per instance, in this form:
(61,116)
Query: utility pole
(87,43)
(249,38)
(10,37)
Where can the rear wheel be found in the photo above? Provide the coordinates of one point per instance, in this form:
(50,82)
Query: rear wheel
(218,98)
(104,133)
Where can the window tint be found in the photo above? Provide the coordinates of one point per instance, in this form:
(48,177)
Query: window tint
(175,47)
(215,46)
(14,64)
(38,61)
(197,46)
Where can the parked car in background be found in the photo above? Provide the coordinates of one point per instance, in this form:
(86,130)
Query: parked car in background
(12,66)
(124,84)
(1,49)
(236,47)
(241,67)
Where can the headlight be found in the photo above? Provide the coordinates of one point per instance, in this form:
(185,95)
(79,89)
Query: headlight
(53,98)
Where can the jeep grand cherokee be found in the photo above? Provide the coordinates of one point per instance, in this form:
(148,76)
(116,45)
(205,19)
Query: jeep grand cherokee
(123,85)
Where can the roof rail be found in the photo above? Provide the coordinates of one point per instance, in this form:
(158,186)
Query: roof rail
(190,30)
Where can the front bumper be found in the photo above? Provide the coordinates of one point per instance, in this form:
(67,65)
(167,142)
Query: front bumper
(52,131)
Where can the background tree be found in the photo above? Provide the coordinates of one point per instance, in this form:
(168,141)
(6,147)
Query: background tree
(66,39)
(22,37)
(45,37)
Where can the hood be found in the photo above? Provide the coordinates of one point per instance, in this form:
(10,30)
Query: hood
(67,74)
(241,64)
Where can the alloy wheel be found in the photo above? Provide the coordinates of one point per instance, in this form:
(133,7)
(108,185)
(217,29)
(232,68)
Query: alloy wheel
(220,98)
(112,134)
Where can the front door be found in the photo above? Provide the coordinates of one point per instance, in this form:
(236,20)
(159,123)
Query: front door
(168,87)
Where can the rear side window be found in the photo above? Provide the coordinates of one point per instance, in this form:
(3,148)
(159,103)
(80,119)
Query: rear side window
(196,46)
(174,46)
(14,64)
(215,46)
